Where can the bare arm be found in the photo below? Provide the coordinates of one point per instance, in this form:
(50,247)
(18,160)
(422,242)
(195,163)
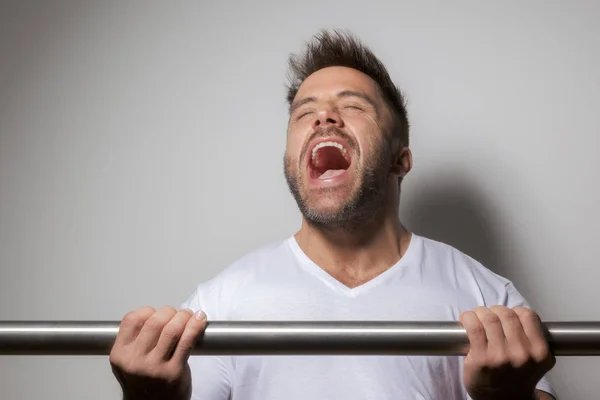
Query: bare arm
(541,395)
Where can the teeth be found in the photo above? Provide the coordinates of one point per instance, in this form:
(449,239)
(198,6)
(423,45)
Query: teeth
(326,144)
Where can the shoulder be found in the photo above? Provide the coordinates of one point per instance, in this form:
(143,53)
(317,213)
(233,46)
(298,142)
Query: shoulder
(214,295)
(464,271)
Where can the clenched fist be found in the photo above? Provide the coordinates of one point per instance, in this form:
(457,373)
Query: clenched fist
(150,354)
(509,353)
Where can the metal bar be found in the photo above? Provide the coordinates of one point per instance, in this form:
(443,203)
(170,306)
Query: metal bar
(288,338)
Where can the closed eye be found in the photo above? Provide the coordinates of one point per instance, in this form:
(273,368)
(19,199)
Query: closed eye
(302,115)
(354,107)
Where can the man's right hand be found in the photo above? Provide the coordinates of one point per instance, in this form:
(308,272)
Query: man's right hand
(151,351)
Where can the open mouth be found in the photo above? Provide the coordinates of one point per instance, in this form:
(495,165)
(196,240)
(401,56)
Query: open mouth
(328,160)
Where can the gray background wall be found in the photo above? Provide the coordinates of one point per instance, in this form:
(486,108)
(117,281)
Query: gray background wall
(141,147)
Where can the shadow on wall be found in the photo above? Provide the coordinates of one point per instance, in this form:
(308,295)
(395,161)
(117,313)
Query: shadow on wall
(454,211)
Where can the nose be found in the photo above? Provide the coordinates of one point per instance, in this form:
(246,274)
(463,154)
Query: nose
(325,117)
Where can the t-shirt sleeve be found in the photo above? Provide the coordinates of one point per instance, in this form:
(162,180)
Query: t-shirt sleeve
(515,299)
(210,374)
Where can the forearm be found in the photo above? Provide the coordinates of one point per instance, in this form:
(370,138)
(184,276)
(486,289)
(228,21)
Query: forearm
(541,395)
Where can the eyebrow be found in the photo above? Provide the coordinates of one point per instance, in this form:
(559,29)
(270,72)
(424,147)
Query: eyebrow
(343,93)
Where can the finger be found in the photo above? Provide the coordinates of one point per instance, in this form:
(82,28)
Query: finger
(150,332)
(193,329)
(171,334)
(534,330)
(475,333)
(517,342)
(493,330)
(131,325)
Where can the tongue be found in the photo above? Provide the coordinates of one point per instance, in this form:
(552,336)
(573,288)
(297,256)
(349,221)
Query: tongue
(330,173)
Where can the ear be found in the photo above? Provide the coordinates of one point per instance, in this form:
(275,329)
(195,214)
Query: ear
(402,162)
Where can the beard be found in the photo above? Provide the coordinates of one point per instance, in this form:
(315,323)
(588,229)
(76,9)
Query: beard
(365,201)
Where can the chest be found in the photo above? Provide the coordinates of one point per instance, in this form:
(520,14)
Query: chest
(347,377)
(308,298)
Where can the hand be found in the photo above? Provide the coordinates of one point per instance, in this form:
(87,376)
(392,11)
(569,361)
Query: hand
(509,353)
(150,354)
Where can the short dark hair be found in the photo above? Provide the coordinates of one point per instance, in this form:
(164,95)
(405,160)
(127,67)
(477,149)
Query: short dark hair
(343,49)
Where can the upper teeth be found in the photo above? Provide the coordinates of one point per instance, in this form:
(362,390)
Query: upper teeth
(325,144)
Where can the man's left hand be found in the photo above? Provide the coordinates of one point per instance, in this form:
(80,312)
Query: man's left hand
(509,353)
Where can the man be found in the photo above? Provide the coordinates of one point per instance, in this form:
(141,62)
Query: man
(346,155)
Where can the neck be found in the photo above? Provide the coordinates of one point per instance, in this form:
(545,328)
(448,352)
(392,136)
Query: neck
(356,256)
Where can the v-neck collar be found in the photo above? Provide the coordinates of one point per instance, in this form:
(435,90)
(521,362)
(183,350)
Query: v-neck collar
(305,262)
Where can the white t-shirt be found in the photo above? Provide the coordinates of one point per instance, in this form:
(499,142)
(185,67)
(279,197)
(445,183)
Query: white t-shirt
(432,281)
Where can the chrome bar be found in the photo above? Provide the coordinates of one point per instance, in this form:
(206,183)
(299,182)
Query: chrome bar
(287,338)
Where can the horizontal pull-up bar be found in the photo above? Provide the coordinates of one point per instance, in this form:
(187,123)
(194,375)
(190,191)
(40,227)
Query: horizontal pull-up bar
(285,337)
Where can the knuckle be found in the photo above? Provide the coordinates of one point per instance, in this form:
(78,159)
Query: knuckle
(154,323)
(477,360)
(167,310)
(510,317)
(491,319)
(519,362)
(115,358)
(172,332)
(529,314)
(477,330)
(157,321)
(499,360)
(132,318)
(532,316)
(137,317)
(182,318)
(519,309)
(131,366)
(505,313)
(146,310)
(499,309)
(186,313)
(540,352)
(481,310)
(520,358)
(466,318)
(175,327)
(526,313)
(150,367)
